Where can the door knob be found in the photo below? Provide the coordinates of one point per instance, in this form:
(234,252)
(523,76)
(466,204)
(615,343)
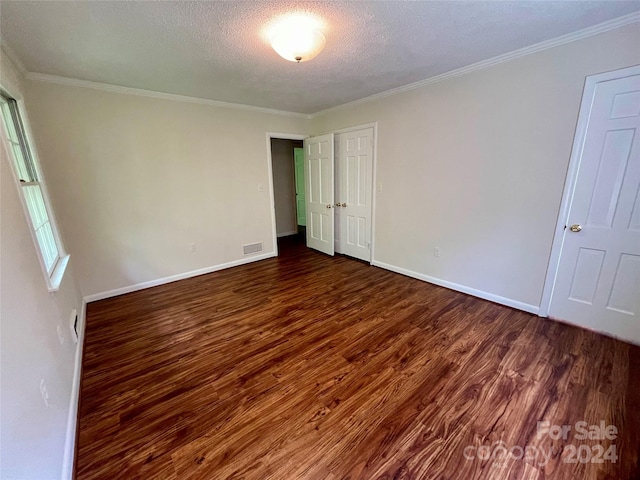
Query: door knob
(337,204)
(329,206)
(575,228)
(343,204)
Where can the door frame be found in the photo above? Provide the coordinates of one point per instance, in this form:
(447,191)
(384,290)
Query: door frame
(283,136)
(374,178)
(588,92)
(296,180)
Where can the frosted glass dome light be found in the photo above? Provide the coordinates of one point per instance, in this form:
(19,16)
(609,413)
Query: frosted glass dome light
(297,38)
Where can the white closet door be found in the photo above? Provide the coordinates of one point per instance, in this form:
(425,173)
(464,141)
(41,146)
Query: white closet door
(354,186)
(319,187)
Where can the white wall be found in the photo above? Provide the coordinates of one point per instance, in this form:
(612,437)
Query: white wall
(475,165)
(140,179)
(284,186)
(32,436)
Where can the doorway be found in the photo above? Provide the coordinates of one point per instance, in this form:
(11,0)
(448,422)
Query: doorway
(288,214)
(338,213)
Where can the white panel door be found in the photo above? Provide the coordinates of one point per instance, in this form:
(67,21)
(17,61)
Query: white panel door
(319,192)
(598,278)
(354,185)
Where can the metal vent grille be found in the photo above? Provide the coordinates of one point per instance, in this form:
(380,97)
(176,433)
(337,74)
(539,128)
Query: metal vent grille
(252,248)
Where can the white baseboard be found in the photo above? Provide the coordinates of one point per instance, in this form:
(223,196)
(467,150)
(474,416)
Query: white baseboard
(174,278)
(70,441)
(460,288)
(286,234)
(72,417)
(69,450)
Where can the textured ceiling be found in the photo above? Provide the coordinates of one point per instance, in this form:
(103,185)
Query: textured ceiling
(217,50)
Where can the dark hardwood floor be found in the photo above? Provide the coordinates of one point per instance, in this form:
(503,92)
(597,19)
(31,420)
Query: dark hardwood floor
(310,367)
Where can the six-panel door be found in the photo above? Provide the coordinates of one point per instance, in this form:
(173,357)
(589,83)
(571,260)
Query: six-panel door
(354,183)
(598,279)
(319,160)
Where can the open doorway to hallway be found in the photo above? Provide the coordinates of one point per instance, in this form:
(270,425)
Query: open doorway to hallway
(287,163)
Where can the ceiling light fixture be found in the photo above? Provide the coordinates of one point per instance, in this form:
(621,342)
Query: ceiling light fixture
(297,37)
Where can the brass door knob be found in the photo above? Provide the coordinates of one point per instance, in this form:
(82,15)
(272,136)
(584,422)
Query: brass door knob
(329,206)
(343,205)
(575,228)
(337,204)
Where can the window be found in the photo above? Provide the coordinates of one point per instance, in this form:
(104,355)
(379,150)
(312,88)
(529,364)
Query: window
(27,173)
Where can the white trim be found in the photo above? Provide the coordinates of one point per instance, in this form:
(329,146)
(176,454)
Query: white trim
(545,45)
(460,288)
(73,82)
(52,278)
(374,190)
(354,129)
(287,234)
(272,193)
(373,125)
(538,47)
(55,279)
(287,136)
(69,447)
(572,176)
(174,278)
(74,401)
(272,196)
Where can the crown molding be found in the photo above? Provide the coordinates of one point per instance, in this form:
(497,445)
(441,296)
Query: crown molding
(11,54)
(43,77)
(538,47)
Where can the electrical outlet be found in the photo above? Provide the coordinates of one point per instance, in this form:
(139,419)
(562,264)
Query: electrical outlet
(192,247)
(44,393)
(436,251)
(379,187)
(60,335)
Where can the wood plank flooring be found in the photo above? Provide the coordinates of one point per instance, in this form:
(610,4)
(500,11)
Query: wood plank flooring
(311,367)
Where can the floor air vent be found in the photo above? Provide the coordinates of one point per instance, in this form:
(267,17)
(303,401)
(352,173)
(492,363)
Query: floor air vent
(252,248)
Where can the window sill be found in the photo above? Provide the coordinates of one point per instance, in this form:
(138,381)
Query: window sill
(56,277)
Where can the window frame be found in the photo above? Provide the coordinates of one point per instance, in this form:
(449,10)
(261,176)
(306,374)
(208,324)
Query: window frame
(53,277)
